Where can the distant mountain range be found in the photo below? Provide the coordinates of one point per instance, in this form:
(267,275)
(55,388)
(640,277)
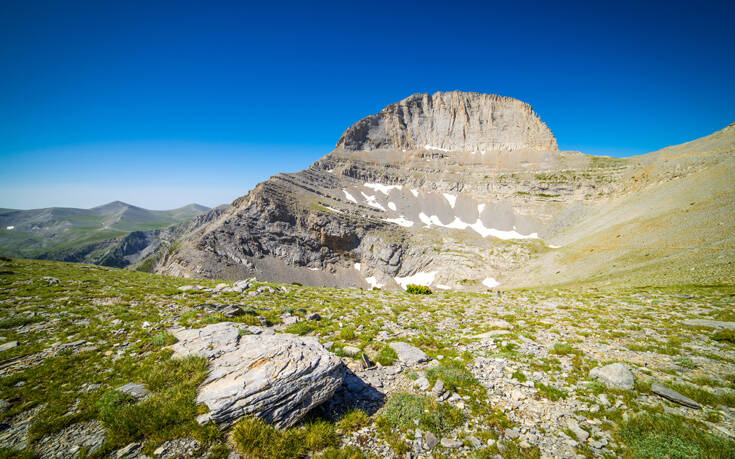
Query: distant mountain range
(69,234)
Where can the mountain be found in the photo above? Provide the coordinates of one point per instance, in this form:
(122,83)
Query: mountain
(70,234)
(470,191)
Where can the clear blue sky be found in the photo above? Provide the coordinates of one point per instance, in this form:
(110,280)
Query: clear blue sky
(164,103)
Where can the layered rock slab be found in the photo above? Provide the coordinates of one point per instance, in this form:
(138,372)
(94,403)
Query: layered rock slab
(278,378)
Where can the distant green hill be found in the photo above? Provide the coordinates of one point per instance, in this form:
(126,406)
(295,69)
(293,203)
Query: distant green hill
(54,231)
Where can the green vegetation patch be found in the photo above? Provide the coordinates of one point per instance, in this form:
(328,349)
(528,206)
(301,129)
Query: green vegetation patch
(669,436)
(256,438)
(402,411)
(418,289)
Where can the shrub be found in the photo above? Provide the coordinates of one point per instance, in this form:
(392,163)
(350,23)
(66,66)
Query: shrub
(402,410)
(563,349)
(552,393)
(349,452)
(163,339)
(386,356)
(659,436)
(519,376)
(454,375)
(255,438)
(725,335)
(418,289)
(300,328)
(354,420)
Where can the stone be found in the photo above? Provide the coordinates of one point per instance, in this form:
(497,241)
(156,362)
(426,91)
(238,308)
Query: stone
(351,350)
(673,396)
(581,434)
(615,375)
(8,345)
(314,316)
(231,310)
(422,383)
(451,443)
(241,286)
(137,391)
(475,442)
(186,288)
(408,354)
(438,388)
(366,362)
(131,450)
(290,320)
(278,377)
(430,441)
(709,323)
(50,280)
(184,448)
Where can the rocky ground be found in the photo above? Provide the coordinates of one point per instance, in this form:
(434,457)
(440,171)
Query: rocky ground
(87,368)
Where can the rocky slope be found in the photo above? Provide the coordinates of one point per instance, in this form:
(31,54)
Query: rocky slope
(470,191)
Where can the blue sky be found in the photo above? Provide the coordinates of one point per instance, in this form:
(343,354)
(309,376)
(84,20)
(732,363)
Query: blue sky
(165,103)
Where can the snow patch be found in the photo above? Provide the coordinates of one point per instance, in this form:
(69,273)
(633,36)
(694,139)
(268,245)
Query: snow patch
(489,282)
(373,282)
(415,192)
(330,170)
(433,147)
(478,227)
(400,221)
(451,198)
(418,279)
(334,210)
(372,202)
(313,269)
(443,287)
(349,196)
(385,189)
(480,208)
(10,228)
(358,266)
(552,246)
(392,206)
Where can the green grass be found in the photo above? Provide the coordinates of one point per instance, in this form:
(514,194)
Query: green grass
(552,393)
(667,436)
(301,328)
(387,356)
(405,411)
(726,335)
(256,438)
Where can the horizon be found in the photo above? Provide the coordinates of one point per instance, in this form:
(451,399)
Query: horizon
(161,106)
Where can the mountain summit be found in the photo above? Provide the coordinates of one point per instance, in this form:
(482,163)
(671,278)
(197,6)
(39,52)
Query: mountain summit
(469,191)
(452,121)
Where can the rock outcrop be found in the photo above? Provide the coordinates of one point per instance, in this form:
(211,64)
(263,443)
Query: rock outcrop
(278,378)
(451,121)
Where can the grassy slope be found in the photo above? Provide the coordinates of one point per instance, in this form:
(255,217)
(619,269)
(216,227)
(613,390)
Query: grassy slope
(46,231)
(86,301)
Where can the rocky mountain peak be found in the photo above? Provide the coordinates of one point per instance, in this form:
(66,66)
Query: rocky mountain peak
(451,121)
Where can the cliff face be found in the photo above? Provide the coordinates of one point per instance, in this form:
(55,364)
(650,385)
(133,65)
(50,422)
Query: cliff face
(451,121)
(452,190)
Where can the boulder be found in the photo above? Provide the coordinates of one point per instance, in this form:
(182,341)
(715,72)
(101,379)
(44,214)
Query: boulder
(615,375)
(674,396)
(408,354)
(278,378)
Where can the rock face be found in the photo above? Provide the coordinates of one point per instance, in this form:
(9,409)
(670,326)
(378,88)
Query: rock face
(467,191)
(278,378)
(615,375)
(451,121)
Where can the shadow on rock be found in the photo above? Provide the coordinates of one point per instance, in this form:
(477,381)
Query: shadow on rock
(354,393)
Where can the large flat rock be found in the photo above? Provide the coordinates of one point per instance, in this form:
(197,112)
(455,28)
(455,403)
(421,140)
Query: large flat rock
(278,378)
